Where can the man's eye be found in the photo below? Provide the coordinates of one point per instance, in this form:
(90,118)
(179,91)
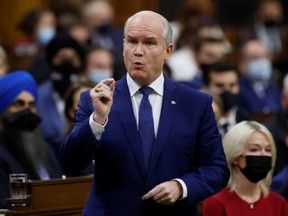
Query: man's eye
(132,41)
(18,103)
(219,85)
(149,43)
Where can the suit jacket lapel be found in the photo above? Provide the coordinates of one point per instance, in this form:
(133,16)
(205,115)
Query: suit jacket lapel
(170,103)
(123,106)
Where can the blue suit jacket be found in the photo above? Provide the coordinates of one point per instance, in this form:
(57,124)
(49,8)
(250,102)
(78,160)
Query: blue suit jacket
(250,101)
(53,123)
(188,146)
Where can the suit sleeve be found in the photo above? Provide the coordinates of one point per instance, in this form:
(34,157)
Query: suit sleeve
(77,150)
(210,173)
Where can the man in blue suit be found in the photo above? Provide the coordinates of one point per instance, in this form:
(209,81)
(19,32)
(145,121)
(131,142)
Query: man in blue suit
(186,163)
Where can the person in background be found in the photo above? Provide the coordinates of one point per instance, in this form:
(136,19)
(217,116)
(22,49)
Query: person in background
(4,66)
(74,26)
(206,51)
(280,182)
(251,156)
(189,16)
(98,15)
(66,61)
(222,78)
(39,27)
(22,146)
(278,125)
(267,27)
(159,156)
(99,64)
(259,95)
(72,97)
(217,106)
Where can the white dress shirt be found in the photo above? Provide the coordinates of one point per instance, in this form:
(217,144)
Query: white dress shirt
(155,99)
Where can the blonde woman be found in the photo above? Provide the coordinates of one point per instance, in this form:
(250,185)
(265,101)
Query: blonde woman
(251,155)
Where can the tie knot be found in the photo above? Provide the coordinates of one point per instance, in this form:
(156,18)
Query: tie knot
(146,90)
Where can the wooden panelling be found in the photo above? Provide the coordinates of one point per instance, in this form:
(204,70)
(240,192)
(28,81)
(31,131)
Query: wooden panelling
(56,197)
(125,8)
(11,11)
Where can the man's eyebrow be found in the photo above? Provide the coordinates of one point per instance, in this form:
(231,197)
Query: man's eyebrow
(130,37)
(151,38)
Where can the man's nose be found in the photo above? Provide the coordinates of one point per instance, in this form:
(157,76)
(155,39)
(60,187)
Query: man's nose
(139,49)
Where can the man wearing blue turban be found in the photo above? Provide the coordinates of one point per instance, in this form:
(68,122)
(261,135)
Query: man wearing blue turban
(12,85)
(22,147)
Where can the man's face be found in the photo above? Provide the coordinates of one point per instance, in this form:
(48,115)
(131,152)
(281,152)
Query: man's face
(99,60)
(144,49)
(210,53)
(65,54)
(270,11)
(24,101)
(226,81)
(253,50)
(27,146)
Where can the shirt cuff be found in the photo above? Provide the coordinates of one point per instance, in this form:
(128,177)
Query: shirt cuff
(184,188)
(96,128)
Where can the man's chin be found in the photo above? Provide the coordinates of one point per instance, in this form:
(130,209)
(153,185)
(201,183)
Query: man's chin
(139,77)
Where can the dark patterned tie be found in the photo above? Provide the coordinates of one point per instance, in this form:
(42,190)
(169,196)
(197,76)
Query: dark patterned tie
(146,125)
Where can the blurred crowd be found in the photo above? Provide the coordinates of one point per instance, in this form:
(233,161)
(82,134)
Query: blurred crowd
(63,53)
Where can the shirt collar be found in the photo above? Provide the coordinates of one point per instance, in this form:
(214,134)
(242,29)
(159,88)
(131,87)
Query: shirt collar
(230,119)
(157,85)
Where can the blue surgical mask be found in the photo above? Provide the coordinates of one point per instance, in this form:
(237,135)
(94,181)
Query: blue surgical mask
(99,75)
(46,34)
(260,70)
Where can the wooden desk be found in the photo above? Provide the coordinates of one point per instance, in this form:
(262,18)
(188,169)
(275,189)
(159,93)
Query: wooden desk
(56,197)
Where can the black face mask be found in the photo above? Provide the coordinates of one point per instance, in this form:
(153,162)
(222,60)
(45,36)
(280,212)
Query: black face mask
(205,67)
(23,120)
(271,23)
(61,76)
(257,167)
(229,100)
(104,28)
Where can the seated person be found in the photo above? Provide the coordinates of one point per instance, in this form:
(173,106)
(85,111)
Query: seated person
(278,126)
(22,148)
(251,155)
(72,98)
(258,92)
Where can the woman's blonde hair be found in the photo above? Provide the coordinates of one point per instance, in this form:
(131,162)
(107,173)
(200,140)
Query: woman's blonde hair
(235,143)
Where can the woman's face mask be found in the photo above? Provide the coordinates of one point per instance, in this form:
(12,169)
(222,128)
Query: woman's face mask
(45,35)
(257,167)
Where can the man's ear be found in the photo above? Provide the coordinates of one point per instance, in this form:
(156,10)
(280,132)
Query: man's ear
(123,45)
(169,51)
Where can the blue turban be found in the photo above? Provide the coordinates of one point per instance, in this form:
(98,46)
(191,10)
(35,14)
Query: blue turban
(12,84)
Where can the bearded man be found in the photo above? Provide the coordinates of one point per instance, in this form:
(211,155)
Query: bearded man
(22,147)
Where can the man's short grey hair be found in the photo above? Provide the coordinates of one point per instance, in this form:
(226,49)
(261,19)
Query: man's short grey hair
(167,33)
